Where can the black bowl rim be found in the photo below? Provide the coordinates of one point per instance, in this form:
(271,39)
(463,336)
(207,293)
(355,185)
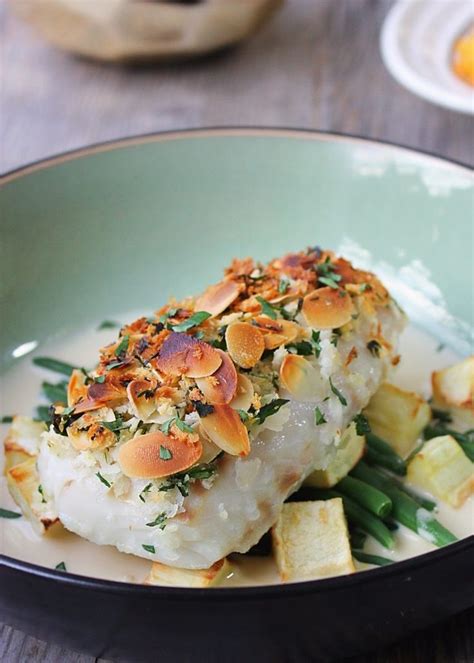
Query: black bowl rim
(258,592)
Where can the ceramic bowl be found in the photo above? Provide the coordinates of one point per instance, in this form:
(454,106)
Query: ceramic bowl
(124,224)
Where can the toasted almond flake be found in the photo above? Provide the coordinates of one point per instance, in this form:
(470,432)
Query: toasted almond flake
(138,392)
(327,308)
(76,388)
(301,378)
(225,429)
(244,394)
(140,457)
(181,354)
(94,437)
(245,343)
(100,394)
(217,297)
(276,332)
(221,386)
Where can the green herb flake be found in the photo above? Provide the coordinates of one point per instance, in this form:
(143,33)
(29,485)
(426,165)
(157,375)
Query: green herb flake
(108,324)
(362,424)
(267,308)
(150,549)
(165,453)
(6,513)
(103,480)
(41,492)
(61,567)
(337,393)
(6,419)
(169,314)
(122,346)
(304,348)
(319,417)
(244,416)
(145,491)
(283,286)
(114,364)
(315,337)
(54,365)
(203,409)
(182,426)
(165,427)
(269,409)
(100,379)
(364,286)
(331,281)
(374,348)
(193,321)
(114,426)
(160,521)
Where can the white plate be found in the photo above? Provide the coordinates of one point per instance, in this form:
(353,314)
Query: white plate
(416,42)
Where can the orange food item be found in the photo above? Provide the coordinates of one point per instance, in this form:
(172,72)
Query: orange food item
(463,57)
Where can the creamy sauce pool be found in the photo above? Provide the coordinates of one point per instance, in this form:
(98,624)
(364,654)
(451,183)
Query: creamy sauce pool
(20,389)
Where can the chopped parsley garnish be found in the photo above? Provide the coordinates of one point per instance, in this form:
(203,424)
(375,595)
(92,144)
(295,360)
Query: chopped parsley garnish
(169,314)
(319,417)
(100,379)
(203,409)
(337,393)
(182,480)
(364,286)
(315,337)
(122,346)
(103,480)
(327,275)
(160,521)
(114,426)
(61,567)
(374,348)
(150,549)
(283,286)
(191,322)
(54,365)
(41,492)
(115,364)
(6,419)
(183,426)
(108,324)
(331,281)
(362,424)
(145,491)
(267,308)
(269,409)
(165,428)
(165,453)
(56,393)
(335,336)
(6,513)
(244,416)
(301,347)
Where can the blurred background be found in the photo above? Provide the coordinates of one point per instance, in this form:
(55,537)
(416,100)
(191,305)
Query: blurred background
(301,63)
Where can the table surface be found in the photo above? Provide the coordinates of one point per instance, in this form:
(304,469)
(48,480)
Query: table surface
(315,65)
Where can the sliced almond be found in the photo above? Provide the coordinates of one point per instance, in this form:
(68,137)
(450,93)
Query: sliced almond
(245,343)
(276,332)
(145,456)
(88,432)
(327,308)
(76,388)
(244,394)
(141,394)
(217,297)
(221,386)
(300,378)
(225,428)
(181,354)
(98,395)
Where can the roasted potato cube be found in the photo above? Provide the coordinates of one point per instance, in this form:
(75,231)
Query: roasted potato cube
(348,454)
(444,470)
(453,390)
(170,576)
(22,440)
(310,541)
(25,488)
(398,417)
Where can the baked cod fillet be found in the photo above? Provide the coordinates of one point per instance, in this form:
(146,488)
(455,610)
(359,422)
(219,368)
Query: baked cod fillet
(198,423)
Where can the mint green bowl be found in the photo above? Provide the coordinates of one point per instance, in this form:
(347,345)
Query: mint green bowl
(122,226)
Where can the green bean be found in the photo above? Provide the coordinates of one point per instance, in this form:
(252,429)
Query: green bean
(366,495)
(465,440)
(357,537)
(424,502)
(405,509)
(381,453)
(359,516)
(376,560)
(54,365)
